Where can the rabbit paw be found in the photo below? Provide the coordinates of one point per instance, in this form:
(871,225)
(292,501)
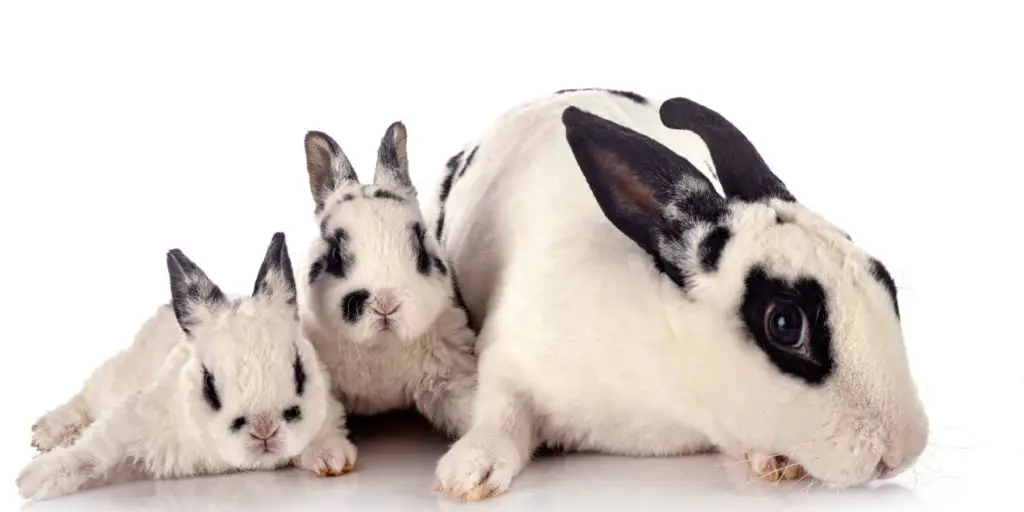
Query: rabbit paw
(475,470)
(334,456)
(56,473)
(60,427)
(775,468)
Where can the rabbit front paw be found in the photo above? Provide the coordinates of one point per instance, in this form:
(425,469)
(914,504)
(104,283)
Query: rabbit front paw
(775,468)
(60,427)
(56,473)
(473,470)
(333,456)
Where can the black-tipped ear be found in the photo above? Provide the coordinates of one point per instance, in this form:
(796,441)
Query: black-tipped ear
(642,186)
(740,168)
(275,277)
(392,159)
(193,294)
(327,165)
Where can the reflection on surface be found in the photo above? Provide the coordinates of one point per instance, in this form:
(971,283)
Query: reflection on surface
(395,472)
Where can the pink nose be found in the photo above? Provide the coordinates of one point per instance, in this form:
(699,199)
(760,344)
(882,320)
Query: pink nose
(385,303)
(263,435)
(263,429)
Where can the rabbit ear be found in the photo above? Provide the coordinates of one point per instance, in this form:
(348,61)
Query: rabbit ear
(740,168)
(645,189)
(193,294)
(327,165)
(275,278)
(392,159)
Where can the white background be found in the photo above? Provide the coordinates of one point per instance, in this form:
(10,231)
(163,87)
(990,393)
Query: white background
(127,129)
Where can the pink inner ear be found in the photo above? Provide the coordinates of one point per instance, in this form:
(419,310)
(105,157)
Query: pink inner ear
(625,182)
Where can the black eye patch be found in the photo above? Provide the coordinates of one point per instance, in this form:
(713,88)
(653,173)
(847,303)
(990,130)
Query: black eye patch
(761,292)
(238,424)
(210,390)
(353,305)
(292,414)
(337,260)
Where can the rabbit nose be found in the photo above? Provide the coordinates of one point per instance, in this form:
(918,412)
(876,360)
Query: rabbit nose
(385,303)
(263,429)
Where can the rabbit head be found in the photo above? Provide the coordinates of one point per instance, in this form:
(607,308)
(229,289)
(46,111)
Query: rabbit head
(376,274)
(255,387)
(793,330)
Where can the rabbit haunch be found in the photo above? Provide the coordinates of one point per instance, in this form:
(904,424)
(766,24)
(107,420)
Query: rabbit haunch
(379,301)
(210,384)
(630,303)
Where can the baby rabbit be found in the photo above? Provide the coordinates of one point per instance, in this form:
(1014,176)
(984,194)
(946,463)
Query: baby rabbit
(379,301)
(211,384)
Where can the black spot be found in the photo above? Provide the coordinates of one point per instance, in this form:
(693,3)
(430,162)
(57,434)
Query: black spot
(353,305)
(446,188)
(460,302)
(710,249)
(882,275)
(440,266)
(300,375)
(632,96)
(337,261)
(387,194)
(423,258)
(813,365)
(210,390)
(469,161)
(347,197)
(238,424)
(292,414)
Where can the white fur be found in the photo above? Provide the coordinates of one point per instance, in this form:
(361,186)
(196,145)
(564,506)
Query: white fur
(585,345)
(143,410)
(422,356)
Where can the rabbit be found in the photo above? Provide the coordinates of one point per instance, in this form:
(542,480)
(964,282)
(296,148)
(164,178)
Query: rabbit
(644,285)
(378,299)
(211,384)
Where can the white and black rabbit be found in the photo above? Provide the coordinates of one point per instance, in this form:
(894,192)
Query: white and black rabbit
(628,304)
(379,300)
(211,384)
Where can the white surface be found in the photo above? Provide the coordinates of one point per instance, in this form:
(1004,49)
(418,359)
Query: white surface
(130,129)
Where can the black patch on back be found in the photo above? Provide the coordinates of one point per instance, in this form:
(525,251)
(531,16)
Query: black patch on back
(300,375)
(710,249)
(632,96)
(760,291)
(882,275)
(446,188)
(469,161)
(210,390)
(338,260)
(460,303)
(423,257)
(387,194)
(440,266)
(353,305)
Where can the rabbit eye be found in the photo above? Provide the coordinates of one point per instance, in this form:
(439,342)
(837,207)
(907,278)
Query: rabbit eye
(785,325)
(238,424)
